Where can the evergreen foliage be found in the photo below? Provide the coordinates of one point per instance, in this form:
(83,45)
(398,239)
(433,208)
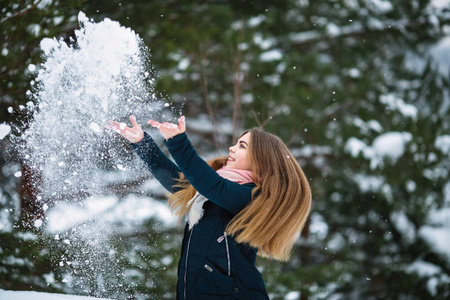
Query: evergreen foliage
(337,80)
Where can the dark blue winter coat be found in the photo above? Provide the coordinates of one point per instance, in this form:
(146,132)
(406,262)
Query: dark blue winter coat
(212,264)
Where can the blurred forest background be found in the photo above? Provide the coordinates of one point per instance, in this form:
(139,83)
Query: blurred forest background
(359,91)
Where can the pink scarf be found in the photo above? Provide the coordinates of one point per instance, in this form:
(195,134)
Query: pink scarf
(196,212)
(236,175)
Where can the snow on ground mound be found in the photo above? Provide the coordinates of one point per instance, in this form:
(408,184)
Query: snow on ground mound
(14,295)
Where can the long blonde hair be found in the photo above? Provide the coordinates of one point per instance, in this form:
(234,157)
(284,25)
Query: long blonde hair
(281,200)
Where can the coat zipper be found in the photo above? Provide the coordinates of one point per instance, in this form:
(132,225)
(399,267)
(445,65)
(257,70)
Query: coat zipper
(228,253)
(186,263)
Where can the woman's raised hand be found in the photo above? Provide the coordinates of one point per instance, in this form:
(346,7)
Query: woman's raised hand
(169,130)
(134,134)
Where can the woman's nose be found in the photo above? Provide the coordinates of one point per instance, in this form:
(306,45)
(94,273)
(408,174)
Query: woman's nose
(231,149)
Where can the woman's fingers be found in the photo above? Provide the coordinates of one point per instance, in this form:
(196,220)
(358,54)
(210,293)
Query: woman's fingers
(130,135)
(114,126)
(134,134)
(169,130)
(169,125)
(133,121)
(182,123)
(181,126)
(154,123)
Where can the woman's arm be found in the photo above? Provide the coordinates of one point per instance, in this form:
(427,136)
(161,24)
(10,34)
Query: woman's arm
(162,168)
(225,193)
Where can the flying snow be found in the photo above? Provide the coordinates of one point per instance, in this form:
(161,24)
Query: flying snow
(101,75)
(4,131)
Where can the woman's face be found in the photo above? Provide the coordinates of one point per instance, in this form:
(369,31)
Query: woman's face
(238,156)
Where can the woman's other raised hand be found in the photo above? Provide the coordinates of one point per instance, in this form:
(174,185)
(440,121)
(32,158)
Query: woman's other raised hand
(134,134)
(169,130)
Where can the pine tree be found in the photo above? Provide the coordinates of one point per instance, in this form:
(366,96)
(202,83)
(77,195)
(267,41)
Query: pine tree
(353,87)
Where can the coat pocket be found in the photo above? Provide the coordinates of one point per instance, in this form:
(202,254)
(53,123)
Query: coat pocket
(212,282)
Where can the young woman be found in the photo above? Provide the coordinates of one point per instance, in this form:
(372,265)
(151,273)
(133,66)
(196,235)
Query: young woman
(255,201)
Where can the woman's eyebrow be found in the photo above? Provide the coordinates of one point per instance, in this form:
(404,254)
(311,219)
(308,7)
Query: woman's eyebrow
(243,142)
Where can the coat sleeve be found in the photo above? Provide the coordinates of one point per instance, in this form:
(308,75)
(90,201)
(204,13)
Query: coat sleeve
(162,168)
(227,194)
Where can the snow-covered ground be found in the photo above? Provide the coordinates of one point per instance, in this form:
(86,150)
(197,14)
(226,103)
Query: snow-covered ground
(14,295)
